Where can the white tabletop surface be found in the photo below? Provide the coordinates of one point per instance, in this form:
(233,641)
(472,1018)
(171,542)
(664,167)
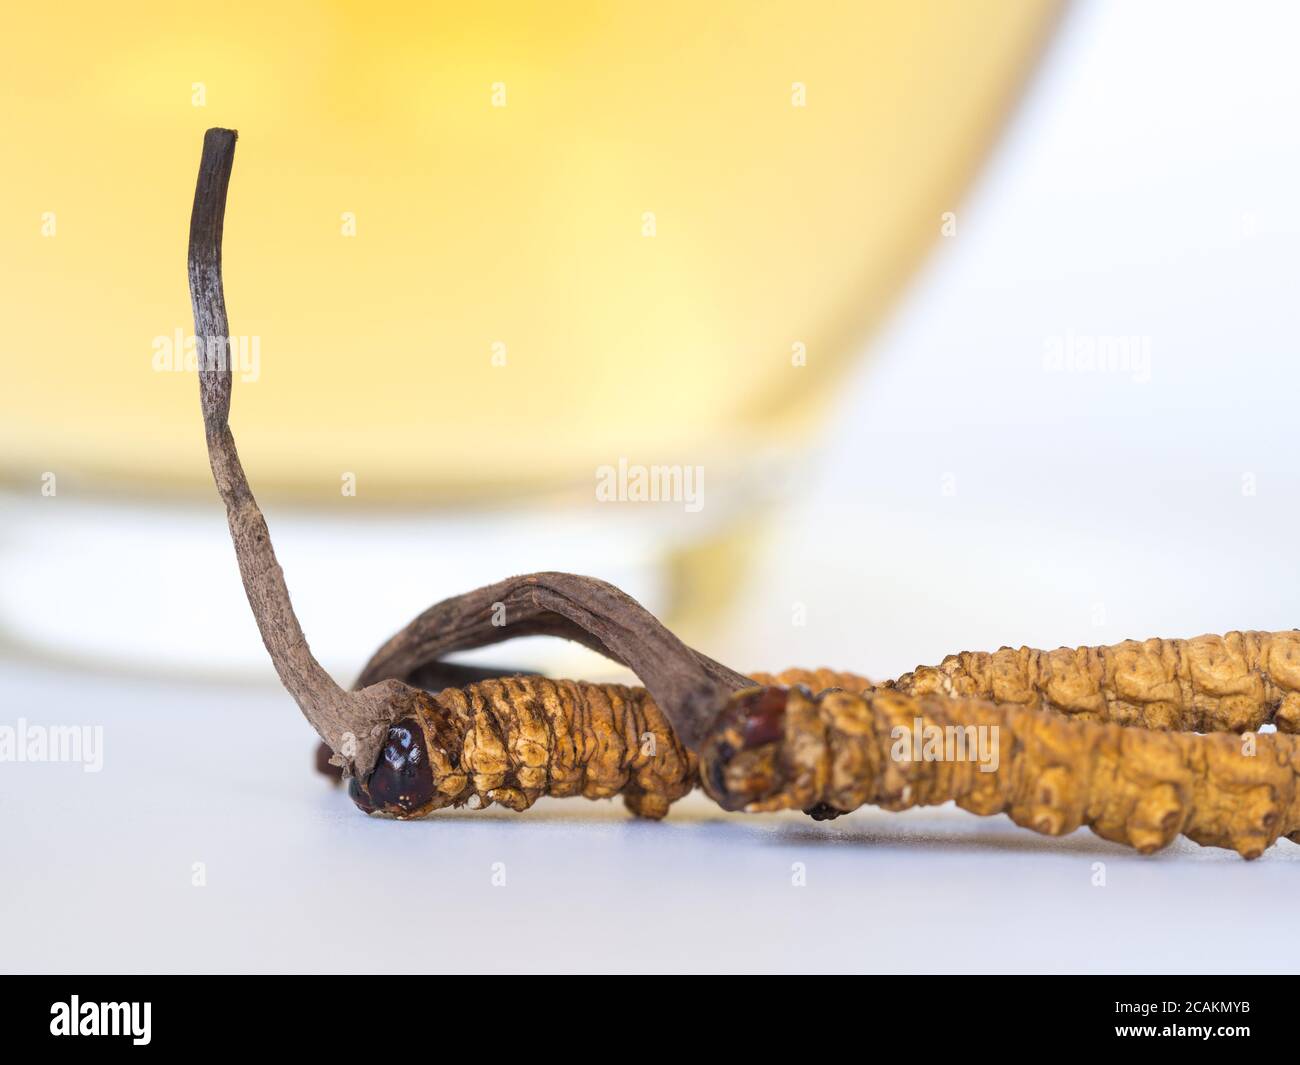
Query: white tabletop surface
(966,496)
(99,871)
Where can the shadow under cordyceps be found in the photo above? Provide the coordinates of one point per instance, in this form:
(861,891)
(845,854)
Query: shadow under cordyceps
(778,830)
(937,829)
(1000,835)
(1020,841)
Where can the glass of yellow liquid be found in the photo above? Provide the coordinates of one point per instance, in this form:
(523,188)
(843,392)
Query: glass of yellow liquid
(496,274)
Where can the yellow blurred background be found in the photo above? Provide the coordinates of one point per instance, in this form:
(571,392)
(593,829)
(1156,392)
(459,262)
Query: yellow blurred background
(475,250)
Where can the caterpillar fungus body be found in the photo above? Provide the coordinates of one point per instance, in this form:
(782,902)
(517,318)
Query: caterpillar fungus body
(1237,682)
(834,751)
(511,740)
(825,743)
(1074,737)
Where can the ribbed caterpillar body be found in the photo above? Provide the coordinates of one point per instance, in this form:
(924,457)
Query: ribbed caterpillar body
(512,740)
(829,753)
(827,742)
(1237,682)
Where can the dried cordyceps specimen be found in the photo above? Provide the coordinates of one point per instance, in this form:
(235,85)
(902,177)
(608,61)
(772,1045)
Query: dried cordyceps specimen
(357,724)
(513,739)
(504,719)
(1237,682)
(778,749)
(418,734)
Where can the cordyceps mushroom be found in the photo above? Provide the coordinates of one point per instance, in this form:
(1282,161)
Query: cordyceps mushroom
(439,752)
(1056,740)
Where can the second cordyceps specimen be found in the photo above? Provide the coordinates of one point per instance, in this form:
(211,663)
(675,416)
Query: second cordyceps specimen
(1141,742)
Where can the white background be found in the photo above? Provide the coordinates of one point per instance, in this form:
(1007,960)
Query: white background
(1147,186)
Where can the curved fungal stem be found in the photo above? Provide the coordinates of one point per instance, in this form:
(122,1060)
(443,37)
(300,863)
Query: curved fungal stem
(352,723)
(689,687)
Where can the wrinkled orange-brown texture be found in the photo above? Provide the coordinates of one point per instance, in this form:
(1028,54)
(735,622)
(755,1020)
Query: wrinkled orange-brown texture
(513,740)
(1065,757)
(816,679)
(1131,785)
(525,737)
(1231,683)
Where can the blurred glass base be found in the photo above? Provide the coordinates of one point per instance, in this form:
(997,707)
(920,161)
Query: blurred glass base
(153,587)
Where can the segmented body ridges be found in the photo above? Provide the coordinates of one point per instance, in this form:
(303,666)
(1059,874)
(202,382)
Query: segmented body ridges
(1236,682)
(840,750)
(515,739)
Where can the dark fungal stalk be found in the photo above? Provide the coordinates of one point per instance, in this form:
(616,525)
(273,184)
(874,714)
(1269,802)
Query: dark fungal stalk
(356,725)
(351,723)
(691,688)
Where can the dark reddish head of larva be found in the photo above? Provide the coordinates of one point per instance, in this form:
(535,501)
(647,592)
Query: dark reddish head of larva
(761,716)
(742,760)
(752,719)
(402,781)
